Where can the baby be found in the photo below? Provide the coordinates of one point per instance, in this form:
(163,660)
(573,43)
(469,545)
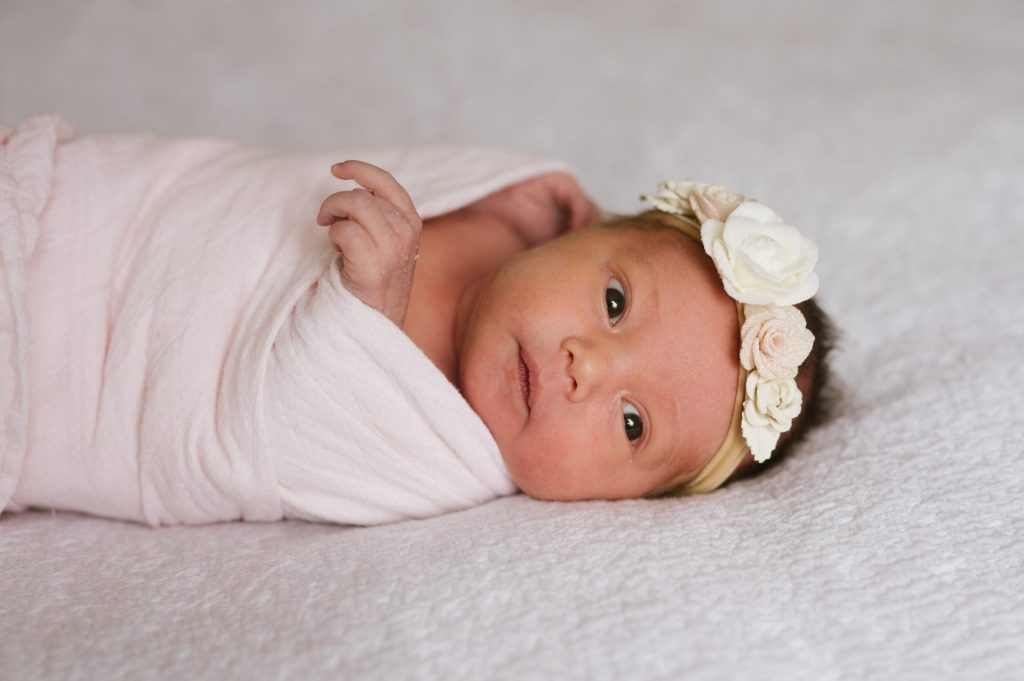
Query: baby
(183,346)
(610,357)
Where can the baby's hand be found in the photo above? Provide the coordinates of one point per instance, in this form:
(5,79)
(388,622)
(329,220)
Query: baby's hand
(542,207)
(378,234)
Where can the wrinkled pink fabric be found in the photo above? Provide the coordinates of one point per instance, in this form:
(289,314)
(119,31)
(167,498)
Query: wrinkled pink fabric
(176,345)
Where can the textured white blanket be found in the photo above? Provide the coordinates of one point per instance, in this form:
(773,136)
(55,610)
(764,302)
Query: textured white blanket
(890,546)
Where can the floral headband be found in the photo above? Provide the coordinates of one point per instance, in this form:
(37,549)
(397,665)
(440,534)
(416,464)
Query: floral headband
(767,267)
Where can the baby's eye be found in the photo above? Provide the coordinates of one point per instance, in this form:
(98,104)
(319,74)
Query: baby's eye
(615,300)
(634,424)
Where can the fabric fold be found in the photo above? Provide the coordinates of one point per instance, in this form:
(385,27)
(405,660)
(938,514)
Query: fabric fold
(26,175)
(335,368)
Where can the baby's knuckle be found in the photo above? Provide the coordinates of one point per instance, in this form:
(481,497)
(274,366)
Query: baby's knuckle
(361,198)
(410,225)
(407,242)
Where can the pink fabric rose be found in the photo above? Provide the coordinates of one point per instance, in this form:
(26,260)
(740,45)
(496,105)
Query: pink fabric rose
(774,340)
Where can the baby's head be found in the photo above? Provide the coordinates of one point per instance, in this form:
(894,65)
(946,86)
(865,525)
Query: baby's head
(609,363)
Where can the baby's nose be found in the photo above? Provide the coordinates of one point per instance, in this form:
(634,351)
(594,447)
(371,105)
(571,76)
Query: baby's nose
(584,366)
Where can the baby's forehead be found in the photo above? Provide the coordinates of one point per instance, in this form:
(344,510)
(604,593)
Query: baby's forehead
(681,258)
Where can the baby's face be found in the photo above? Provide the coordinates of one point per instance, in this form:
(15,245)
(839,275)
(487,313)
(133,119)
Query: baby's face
(604,362)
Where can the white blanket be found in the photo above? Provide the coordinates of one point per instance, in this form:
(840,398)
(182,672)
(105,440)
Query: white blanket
(140,270)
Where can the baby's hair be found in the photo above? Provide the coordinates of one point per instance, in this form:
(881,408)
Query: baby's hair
(819,391)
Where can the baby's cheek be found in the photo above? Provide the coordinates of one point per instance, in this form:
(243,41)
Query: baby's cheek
(524,464)
(549,463)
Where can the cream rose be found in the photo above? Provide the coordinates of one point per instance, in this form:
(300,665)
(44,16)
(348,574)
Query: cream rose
(774,340)
(695,199)
(712,202)
(768,411)
(673,197)
(761,260)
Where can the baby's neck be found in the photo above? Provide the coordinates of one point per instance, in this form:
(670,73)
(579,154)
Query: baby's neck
(458,251)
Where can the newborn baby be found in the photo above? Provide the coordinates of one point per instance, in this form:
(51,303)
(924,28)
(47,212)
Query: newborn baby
(608,358)
(182,344)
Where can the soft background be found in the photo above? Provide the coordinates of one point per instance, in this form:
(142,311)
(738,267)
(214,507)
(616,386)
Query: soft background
(888,546)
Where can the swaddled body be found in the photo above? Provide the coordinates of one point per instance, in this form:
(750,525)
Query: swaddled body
(179,347)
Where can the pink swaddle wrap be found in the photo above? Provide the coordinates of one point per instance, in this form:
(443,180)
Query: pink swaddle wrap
(176,345)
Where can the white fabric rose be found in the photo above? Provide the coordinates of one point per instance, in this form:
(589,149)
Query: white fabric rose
(774,340)
(673,197)
(761,260)
(768,411)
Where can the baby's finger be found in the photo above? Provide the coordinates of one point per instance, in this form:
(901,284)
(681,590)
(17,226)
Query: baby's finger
(339,204)
(379,181)
(359,206)
(351,239)
(331,209)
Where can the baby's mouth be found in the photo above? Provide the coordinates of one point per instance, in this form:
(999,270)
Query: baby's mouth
(524,380)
